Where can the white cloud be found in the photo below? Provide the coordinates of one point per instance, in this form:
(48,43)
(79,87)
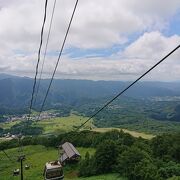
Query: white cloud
(97,24)
(152,45)
(128,65)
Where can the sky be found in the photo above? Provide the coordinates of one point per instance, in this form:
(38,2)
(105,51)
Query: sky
(108,40)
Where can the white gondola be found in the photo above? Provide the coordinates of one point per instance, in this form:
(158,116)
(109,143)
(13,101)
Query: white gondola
(27,167)
(53,171)
(16,172)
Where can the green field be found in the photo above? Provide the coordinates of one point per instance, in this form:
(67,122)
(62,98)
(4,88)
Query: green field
(56,125)
(8,125)
(37,156)
(63,124)
(102,177)
(66,124)
(133,133)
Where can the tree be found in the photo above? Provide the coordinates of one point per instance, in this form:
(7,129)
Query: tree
(86,167)
(106,156)
(169,169)
(1,131)
(145,170)
(129,159)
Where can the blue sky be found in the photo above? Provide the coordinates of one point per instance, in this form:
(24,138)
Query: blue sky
(174,25)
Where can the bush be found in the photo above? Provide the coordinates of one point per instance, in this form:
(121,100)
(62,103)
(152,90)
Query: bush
(169,169)
(128,160)
(145,170)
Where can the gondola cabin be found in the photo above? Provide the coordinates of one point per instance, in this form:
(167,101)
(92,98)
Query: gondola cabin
(27,167)
(53,171)
(16,172)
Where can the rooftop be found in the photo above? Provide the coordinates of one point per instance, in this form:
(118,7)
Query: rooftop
(53,164)
(70,150)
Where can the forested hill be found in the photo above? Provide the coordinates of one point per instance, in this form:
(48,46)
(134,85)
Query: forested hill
(137,109)
(15,91)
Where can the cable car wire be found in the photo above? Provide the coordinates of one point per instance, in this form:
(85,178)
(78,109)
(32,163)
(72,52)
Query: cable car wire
(59,57)
(39,55)
(8,156)
(35,79)
(124,90)
(44,57)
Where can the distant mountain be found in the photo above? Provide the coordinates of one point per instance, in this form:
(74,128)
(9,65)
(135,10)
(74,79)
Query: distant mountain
(6,76)
(15,92)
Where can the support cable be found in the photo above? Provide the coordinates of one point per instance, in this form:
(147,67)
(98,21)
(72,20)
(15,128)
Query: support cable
(44,57)
(37,65)
(7,156)
(123,91)
(59,57)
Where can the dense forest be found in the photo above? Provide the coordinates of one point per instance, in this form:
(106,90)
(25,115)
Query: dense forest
(134,158)
(16,91)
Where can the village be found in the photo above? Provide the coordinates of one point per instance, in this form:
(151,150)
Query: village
(35,116)
(20,118)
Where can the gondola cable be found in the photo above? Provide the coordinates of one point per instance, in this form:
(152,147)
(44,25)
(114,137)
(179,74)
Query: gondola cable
(8,156)
(59,57)
(45,52)
(129,86)
(21,156)
(38,61)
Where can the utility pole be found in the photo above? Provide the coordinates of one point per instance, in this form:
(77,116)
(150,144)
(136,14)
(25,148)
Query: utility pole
(21,168)
(21,158)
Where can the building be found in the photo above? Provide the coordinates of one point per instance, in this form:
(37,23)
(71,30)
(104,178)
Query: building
(69,153)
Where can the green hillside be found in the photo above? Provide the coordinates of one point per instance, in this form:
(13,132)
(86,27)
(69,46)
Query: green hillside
(66,124)
(36,157)
(111,152)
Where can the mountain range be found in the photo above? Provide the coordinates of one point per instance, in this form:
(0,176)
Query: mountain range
(16,91)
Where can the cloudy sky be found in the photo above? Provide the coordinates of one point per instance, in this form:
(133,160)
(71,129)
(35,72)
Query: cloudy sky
(108,40)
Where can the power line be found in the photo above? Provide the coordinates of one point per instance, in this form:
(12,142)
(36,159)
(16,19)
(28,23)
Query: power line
(7,156)
(34,85)
(109,102)
(59,57)
(49,32)
(20,145)
(37,65)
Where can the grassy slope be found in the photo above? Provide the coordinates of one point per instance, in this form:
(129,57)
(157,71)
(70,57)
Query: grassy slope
(133,133)
(63,124)
(8,125)
(37,156)
(55,125)
(103,177)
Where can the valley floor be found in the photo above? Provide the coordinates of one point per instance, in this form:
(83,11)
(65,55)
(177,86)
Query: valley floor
(65,124)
